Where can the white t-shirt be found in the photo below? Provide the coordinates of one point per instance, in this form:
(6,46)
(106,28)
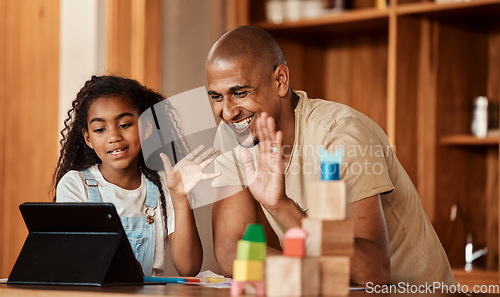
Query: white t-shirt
(71,188)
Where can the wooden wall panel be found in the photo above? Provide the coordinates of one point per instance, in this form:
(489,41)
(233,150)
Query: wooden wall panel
(462,75)
(152,44)
(314,72)
(294,52)
(350,70)
(427,117)
(415,105)
(491,193)
(237,12)
(392,81)
(134,40)
(29,101)
(338,73)
(406,95)
(3,94)
(493,92)
(119,32)
(356,74)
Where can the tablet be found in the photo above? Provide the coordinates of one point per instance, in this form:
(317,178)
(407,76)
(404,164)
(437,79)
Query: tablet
(74,244)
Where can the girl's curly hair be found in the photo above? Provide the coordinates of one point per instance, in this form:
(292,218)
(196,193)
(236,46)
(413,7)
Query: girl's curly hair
(76,155)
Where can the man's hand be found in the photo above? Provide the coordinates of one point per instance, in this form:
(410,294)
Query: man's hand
(267,183)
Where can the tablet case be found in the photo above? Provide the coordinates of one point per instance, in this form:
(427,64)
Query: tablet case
(74,244)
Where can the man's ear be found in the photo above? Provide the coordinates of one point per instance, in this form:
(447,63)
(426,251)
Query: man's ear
(87,138)
(283,79)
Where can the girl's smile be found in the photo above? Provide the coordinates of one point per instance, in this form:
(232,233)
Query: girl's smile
(118,153)
(113,134)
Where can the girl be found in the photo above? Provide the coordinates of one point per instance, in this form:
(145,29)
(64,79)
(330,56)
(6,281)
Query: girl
(101,160)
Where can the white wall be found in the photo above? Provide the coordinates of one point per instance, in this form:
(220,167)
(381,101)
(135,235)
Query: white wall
(189,30)
(82,48)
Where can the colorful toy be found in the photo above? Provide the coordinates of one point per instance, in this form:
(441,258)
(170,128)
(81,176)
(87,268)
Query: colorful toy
(294,245)
(248,266)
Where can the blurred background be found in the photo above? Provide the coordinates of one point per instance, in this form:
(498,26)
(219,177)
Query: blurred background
(416,67)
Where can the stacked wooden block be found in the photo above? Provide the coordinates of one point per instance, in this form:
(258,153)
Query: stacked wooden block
(321,264)
(293,274)
(331,237)
(248,267)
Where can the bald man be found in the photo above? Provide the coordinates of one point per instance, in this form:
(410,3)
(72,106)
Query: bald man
(249,85)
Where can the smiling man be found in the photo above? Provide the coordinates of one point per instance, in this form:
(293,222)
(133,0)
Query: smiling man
(282,130)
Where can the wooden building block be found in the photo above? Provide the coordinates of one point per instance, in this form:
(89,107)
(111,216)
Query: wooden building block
(329,200)
(328,238)
(335,275)
(287,276)
(237,287)
(294,244)
(247,270)
(255,233)
(251,250)
(294,247)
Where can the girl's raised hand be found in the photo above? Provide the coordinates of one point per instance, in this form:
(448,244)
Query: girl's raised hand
(187,173)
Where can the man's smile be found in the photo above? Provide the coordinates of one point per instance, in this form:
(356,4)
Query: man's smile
(242,125)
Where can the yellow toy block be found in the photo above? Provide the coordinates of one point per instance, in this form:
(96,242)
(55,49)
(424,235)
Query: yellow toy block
(247,270)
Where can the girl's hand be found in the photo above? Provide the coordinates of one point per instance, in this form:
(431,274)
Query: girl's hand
(187,173)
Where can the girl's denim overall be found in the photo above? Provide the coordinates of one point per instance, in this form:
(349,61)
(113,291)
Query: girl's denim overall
(140,233)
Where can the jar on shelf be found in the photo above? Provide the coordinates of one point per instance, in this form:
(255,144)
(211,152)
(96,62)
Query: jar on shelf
(479,126)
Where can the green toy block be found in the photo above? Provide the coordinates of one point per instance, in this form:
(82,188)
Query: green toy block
(251,250)
(255,233)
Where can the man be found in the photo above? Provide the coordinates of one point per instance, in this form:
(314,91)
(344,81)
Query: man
(249,86)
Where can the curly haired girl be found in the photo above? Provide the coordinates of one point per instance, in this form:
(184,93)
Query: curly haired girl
(101,161)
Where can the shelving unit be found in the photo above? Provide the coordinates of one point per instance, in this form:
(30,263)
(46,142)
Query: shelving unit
(469,140)
(414,68)
(466,8)
(331,21)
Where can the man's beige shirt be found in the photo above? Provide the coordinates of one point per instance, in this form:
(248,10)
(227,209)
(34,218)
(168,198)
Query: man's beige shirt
(370,167)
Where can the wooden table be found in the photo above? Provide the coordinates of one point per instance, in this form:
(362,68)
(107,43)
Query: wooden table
(149,290)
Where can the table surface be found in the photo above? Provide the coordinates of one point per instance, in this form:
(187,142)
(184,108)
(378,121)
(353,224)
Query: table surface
(149,290)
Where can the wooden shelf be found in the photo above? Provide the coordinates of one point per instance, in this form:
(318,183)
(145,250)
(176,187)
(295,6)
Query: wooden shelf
(413,69)
(373,19)
(353,20)
(368,16)
(477,7)
(468,140)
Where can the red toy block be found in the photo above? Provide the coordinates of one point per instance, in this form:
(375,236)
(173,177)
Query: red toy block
(294,243)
